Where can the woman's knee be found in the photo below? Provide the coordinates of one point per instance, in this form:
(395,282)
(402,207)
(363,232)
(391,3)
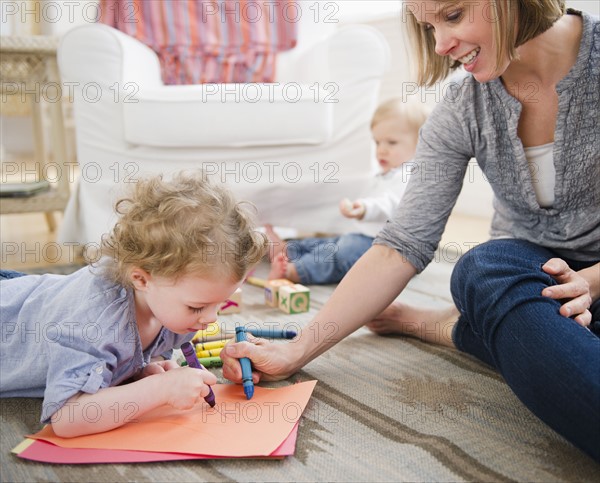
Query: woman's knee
(499,257)
(472,266)
(492,278)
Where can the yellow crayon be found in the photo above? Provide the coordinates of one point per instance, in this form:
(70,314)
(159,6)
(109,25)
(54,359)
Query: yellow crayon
(213,330)
(257,282)
(216,344)
(209,353)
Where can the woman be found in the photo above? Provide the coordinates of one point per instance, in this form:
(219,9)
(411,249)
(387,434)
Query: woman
(527,108)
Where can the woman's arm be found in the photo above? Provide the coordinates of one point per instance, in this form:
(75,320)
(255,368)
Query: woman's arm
(368,288)
(111,407)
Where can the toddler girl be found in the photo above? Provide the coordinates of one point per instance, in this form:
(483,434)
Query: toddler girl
(96,344)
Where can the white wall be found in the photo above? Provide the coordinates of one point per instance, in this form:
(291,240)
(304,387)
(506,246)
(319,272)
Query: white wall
(49,17)
(589,6)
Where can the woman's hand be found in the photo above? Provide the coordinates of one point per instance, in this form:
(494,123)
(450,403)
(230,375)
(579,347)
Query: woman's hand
(270,362)
(572,288)
(352,209)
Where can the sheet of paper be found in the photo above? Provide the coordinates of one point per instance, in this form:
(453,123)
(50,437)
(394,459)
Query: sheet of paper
(42,451)
(236,427)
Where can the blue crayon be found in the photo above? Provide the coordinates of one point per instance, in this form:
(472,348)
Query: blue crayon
(240,335)
(192,360)
(273,333)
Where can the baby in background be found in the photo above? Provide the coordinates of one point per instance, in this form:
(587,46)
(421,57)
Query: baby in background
(395,128)
(179,249)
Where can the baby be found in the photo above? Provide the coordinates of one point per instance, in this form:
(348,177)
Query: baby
(395,128)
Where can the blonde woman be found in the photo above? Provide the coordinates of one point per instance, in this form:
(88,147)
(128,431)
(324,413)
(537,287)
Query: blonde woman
(179,249)
(527,107)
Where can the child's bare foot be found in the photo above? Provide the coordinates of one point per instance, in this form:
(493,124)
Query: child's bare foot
(276,244)
(278,267)
(281,267)
(429,325)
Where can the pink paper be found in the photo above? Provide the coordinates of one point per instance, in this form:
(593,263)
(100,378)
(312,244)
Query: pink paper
(45,452)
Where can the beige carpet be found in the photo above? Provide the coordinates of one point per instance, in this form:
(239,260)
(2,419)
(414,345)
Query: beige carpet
(384,409)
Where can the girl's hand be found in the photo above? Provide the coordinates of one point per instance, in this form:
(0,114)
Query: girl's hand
(187,386)
(352,209)
(269,361)
(572,288)
(157,367)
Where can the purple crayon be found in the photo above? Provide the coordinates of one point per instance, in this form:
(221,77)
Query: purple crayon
(192,361)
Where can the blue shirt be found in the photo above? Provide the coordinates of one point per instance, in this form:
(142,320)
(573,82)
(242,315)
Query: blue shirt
(65,334)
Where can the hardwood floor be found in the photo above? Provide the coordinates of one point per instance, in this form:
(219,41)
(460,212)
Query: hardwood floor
(27,242)
(25,238)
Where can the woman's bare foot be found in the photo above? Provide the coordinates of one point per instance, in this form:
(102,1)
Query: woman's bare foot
(276,244)
(429,325)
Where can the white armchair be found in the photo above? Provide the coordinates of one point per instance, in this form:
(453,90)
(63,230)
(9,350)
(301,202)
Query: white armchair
(293,147)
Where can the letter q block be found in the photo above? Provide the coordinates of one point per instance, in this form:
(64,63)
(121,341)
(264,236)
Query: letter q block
(294,299)
(233,305)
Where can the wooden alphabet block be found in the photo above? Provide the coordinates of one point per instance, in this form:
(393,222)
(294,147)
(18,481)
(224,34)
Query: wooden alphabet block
(271,290)
(294,299)
(233,305)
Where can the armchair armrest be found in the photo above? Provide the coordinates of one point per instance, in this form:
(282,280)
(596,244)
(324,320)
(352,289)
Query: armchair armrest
(349,55)
(358,53)
(97,53)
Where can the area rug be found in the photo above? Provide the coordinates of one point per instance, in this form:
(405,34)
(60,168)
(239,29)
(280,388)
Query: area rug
(384,409)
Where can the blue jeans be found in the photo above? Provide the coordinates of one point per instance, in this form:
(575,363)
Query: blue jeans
(8,274)
(550,362)
(326,260)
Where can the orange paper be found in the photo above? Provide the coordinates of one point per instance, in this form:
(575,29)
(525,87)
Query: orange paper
(235,427)
(39,450)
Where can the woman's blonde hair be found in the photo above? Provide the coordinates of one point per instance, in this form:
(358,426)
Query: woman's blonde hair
(514,22)
(413,114)
(182,226)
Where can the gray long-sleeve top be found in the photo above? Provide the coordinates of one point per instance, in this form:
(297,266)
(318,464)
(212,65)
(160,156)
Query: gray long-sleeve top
(480,120)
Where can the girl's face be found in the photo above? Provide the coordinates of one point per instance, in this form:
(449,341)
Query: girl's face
(187,304)
(395,141)
(463,31)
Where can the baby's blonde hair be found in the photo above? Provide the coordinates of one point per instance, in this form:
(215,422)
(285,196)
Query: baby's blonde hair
(413,113)
(182,226)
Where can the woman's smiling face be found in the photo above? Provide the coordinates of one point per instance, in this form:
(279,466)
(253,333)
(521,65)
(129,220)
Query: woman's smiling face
(464,32)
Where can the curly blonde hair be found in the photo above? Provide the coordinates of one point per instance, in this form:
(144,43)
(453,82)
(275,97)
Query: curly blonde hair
(514,22)
(182,226)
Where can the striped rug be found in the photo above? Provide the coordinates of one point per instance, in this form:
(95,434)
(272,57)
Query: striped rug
(384,409)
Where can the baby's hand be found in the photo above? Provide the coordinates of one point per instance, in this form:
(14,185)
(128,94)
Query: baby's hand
(352,209)
(187,386)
